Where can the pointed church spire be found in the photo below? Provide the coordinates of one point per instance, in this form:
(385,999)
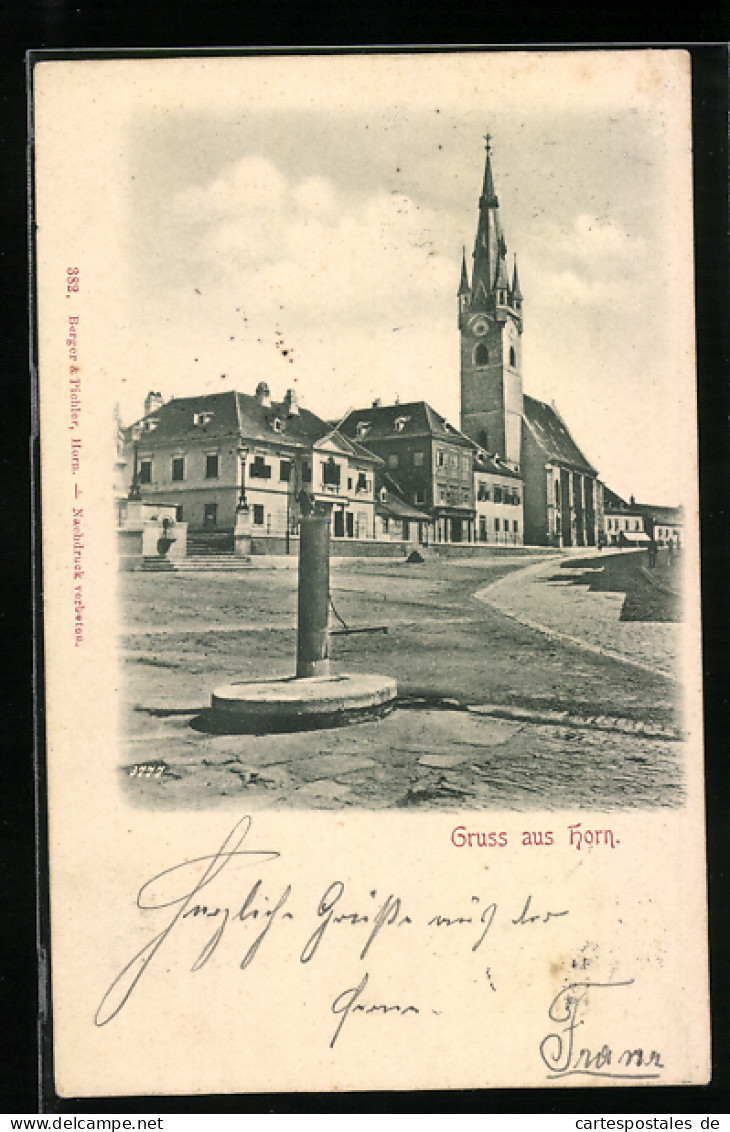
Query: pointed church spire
(516,292)
(490,248)
(464,285)
(489,197)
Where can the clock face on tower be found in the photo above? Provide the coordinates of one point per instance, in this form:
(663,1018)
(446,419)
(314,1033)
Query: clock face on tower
(479,326)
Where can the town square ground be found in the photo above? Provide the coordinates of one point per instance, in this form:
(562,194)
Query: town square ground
(546,682)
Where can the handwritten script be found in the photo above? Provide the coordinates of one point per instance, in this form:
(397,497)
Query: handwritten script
(244,915)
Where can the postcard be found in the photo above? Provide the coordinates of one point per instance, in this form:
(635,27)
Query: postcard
(370,571)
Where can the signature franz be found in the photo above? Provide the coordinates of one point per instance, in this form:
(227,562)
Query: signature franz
(560,1051)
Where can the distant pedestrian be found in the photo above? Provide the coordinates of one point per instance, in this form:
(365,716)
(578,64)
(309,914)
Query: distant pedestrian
(652,550)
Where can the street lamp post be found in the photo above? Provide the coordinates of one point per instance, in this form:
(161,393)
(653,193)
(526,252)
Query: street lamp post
(242,504)
(134,494)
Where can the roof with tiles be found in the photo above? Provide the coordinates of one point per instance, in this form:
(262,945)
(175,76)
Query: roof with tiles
(217,416)
(383,422)
(552,436)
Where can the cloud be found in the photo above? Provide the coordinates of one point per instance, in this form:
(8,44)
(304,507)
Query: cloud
(252,186)
(304,247)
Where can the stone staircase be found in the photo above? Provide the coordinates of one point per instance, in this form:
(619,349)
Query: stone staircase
(156,564)
(222,561)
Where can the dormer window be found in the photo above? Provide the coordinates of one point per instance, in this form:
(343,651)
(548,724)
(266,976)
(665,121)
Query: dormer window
(362,429)
(383,495)
(400,423)
(276,424)
(151,425)
(201,419)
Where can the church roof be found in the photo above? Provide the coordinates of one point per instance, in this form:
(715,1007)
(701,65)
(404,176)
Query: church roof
(552,436)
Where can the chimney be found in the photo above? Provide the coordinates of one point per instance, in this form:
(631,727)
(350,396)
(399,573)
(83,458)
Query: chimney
(291,403)
(152,402)
(632,501)
(263,394)
(377,402)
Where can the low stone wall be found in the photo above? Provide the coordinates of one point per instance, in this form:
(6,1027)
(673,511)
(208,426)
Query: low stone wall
(339,547)
(485,550)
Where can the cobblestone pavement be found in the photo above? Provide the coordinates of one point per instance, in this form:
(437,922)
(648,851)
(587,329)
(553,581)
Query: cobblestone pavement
(492,713)
(555,598)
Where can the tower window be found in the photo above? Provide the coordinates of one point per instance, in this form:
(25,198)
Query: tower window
(481,355)
(512,357)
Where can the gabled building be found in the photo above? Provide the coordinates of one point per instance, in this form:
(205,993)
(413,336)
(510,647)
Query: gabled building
(498,495)
(562,501)
(217,453)
(623,523)
(397,520)
(429,459)
(666,524)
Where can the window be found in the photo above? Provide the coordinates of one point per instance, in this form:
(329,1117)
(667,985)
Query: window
(418,459)
(393,460)
(362,428)
(439,459)
(259,469)
(145,471)
(466,465)
(482,492)
(362,483)
(400,423)
(498,496)
(512,357)
(201,419)
(496,524)
(481,355)
(515,526)
(211,466)
(179,513)
(276,424)
(482,529)
(420,495)
(285,471)
(178,467)
(306,473)
(331,473)
(210,514)
(258,514)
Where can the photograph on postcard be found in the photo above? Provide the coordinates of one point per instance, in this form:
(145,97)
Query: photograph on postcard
(371,572)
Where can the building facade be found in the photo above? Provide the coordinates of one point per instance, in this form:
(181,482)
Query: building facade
(562,494)
(499,495)
(215,454)
(429,460)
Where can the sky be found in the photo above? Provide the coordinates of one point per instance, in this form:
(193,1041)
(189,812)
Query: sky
(301,221)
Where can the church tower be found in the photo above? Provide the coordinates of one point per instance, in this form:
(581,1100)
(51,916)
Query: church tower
(490,327)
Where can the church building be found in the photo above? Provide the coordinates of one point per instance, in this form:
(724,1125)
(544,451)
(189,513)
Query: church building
(562,493)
